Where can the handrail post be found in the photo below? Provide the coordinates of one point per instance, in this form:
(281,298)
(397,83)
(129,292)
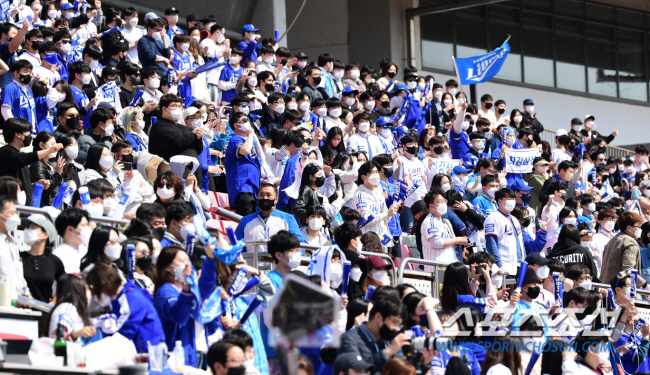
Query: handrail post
(436,287)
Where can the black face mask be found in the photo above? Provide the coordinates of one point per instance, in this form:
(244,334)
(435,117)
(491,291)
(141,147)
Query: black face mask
(387,334)
(269,87)
(571,147)
(388,172)
(144,263)
(118,22)
(265,204)
(239,370)
(438,150)
(619,211)
(526,222)
(546,155)
(316,80)
(37,45)
(582,315)
(501,111)
(308,140)
(320,181)
(27,141)
(72,123)
(25,78)
(533,292)
(391,75)
(385,104)
(488,105)
(412,150)
(564,197)
(127,158)
(135,81)
(160,232)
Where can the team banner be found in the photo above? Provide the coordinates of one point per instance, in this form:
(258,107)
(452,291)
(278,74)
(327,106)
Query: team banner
(520,161)
(443,165)
(481,68)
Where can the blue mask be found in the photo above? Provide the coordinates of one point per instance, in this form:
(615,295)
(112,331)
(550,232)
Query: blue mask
(424,321)
(51,58)
(525,198)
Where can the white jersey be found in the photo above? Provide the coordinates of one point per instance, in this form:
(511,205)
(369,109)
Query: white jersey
(558,156)
(372,202)
(508,233)
(415,168)
(600,241)
(132,36)
(213,51)
(369,143)
(434,232)
(34,59)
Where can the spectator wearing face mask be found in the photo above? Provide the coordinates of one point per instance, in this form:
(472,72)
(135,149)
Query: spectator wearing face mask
(533,244)
(363,140)
(242,166)
(72,227)
(409,163)
(503,234)
(315,231)
(438,237)
(10,264)
(293,142)
(622,251)
(485,202)
(103,247)
(369,200)
(153,50)
(590,134)
(230,75)
(569,250)
(179,224)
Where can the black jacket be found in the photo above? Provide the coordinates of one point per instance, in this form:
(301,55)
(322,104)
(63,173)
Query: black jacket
(41,171)
(307,198)
(543,196)
(167,139)
(570,253)
(534,124)
(595,134)
(361,342)
(15,163)
(355,288)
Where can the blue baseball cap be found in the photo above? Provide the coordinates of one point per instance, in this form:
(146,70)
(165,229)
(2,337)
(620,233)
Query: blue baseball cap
(518,185)
(401,130)
(460,169)
(67,6)
(399,87)
(349,90)
(528,102)
(248,27)
(384,121)
(579,149)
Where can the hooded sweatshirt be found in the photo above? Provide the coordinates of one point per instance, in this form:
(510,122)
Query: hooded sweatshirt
(570,252)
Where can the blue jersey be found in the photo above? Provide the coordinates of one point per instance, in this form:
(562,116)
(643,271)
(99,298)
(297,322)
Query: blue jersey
(8,58)
(393,223)
(484,204)
(243,171)
(182,62)
(63,63)
(81,100)
(471,158)
(286,203)
(458,143)
(44,116)
(21,101)
(171,31)
(230,75)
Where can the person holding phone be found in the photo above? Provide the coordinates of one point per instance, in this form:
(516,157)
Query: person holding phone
(141,190)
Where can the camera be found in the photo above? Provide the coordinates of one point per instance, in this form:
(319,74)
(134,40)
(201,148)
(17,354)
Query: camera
(419,342)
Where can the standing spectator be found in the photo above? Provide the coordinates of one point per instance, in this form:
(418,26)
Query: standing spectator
(438,238)
(11,265)
(171,15)
(10,41)
(622,253)
(503,237)
(132,33)
(169,137)
(230,75)
(40,267)
(47,170)
(14,162)
(529,118)
(72,227)
(590,134)
(153,50)
(248,44)
(314,78)
(100,131)
(17,97)
(242,166)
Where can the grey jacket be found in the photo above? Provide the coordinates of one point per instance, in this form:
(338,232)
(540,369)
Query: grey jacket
(361,341)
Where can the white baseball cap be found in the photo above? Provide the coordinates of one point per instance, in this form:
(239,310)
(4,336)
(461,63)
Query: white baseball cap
(560,132)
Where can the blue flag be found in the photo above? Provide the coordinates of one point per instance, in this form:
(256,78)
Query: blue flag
(481,68)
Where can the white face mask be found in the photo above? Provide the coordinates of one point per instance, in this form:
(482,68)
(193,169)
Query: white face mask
(165,193)
(609,225)
(386,133)
(268,60)
(304,106)
(381,277)
(86,79)
(244,126)
(453,91)
(138,125)
(441,208)
(465,125)
(176,114)
(359,245)
(517,119)
(302,64)
(530,109)
(294,261)
(93,65)
(109,205)
(446,102)
(336,112)
(338,74)
(154,82)
(491,192)
(510,205)
(187,229)
(278,108)
(445,187)
(437,95)
(586,285)
(638,232)
(113,252)
(234,60)
(85,234)
(349,101)
(510,141)
(322,112)
(355,274)
(155,35)
(244,110)
(354,74)
(336,275)
(541,169)
(109,130)
(51,13)
(412,85)
(373,179)
(106,162)
(591,207)
(196,123)
(31,236)
(369,105)
(220,38)
(570,220)
(577,128)
(364,127)
(133,21)
(543,272)
(579,211)
(21,198)
(612,170)
(104,300)
(315,223)
(497,280)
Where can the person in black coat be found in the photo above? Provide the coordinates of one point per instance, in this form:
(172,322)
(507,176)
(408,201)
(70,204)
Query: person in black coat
(46,170)
(348,237)
(589,132)
(169,138)
(16,132)
(568,250)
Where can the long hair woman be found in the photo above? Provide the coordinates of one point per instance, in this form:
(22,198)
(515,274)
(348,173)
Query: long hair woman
(71,309)
(456,290)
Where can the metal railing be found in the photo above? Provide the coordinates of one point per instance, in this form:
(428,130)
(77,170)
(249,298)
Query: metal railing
(34,210)
(613,151)
(228,214)
(385,257)
(436,282)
